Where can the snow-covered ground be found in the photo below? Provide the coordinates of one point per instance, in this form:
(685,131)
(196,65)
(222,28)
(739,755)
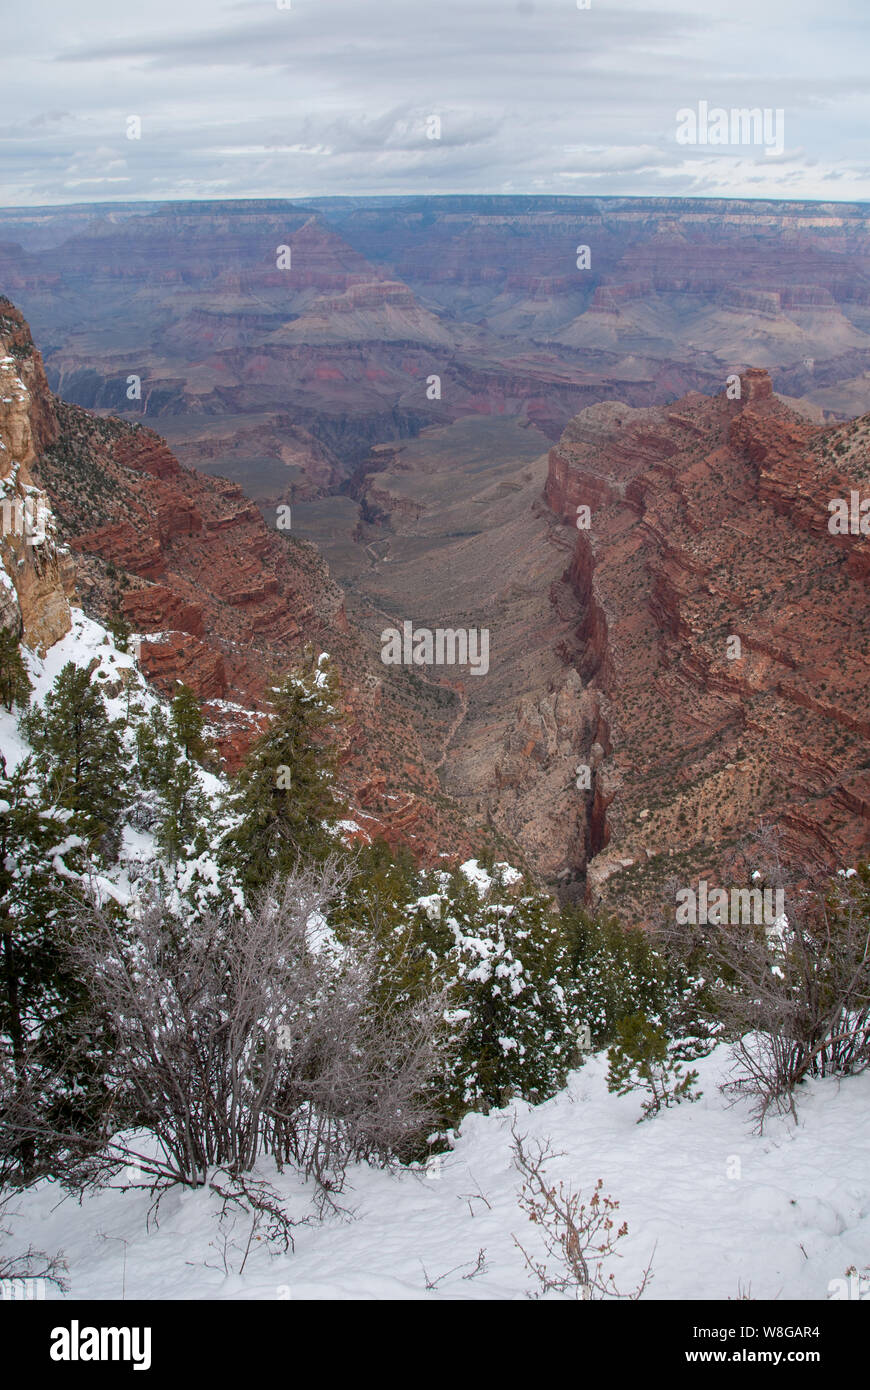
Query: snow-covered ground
(796,1217)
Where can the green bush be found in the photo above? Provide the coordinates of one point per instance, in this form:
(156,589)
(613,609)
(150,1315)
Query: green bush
(641,1058)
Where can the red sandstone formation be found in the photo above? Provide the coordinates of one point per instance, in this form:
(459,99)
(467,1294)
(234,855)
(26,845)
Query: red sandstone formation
(709,523)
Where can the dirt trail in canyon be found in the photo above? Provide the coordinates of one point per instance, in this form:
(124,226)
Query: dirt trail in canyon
(473,545)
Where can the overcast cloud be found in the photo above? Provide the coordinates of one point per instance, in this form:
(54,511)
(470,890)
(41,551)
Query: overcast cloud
(244,99)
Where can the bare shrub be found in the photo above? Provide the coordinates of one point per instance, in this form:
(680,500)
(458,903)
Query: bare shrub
(793,997)
(258,1199)
(579,1237)
(242,1032)
(355,1079)
(30,1263)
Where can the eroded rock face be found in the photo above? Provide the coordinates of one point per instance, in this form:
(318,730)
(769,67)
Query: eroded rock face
(37,577)
(726,629)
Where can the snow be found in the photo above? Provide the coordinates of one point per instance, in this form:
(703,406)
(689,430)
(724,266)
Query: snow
(228,706)
(476,875)
(431,903)
(12,746)
(502,873)
(85,641)
(89,642)
(794,1220)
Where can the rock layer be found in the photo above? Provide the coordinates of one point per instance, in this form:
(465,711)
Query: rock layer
(215,598)
(725,631)
(36,572)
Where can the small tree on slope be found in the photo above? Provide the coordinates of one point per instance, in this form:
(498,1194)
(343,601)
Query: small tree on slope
(49,1068)
(642,1058)
(78,751)
(187,723)
(15,684)
(284,802)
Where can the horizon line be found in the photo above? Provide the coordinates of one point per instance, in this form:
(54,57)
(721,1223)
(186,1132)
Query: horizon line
(346,198)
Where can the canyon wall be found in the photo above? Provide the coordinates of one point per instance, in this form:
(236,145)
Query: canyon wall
(36,572)
(725,632)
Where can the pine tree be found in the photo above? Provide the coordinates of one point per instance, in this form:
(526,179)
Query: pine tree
(517,984)
(618,968)
(184,810)
(515,1019)
(15,684)
(120,630)
(78,750)
(642,1057)
(154,748)
(44,1055)
(33,837)
(165,770)
(283,801)
(187,723)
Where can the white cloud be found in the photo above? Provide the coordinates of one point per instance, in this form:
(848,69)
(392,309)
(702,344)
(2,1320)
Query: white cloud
(331,96)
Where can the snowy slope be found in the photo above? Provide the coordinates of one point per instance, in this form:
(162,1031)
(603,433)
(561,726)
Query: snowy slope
(117,675)
(796,1218)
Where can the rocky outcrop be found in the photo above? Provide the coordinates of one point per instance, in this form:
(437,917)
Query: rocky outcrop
(169,658)
(157,608)
(36,578)
(726,630)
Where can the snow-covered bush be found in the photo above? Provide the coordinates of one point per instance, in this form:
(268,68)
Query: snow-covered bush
(506,959)
(242,1031)
(624,970)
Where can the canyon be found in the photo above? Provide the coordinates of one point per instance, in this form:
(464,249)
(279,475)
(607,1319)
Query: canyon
(282,373)
(700,651)
(215,599)
(678,644)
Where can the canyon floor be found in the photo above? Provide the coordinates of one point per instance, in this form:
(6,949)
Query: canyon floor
(456,534)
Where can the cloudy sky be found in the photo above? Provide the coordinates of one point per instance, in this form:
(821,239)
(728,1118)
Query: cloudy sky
(241,98)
